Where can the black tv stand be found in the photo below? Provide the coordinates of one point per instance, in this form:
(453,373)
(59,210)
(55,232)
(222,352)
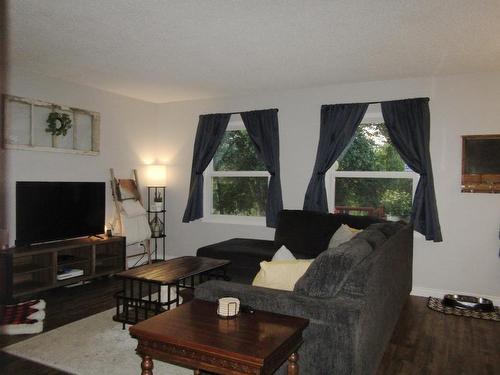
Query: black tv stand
(97,236)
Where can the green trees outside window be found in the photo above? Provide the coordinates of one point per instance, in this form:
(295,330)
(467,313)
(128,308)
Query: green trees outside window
(239,179)
(378,193)
(237,153)
(243,194)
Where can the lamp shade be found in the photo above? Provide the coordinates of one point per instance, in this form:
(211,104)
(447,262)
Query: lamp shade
(156,175)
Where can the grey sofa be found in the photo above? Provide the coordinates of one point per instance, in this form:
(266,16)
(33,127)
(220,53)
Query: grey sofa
(352,295)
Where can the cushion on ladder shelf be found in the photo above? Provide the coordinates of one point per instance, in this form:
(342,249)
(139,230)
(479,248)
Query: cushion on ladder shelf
(23,318)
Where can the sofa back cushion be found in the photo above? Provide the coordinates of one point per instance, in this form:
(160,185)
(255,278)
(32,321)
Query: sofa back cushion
(330,270)
(396,245)
(389,228)
(359,222)
(373,236)
(305,232)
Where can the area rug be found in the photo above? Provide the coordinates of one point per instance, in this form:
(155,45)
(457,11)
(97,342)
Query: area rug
(94,345)
(436,305)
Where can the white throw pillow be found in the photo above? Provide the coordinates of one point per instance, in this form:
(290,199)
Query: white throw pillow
(343,234)
(283,254)
(281,274)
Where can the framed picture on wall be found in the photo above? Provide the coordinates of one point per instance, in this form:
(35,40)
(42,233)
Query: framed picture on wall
(481,163)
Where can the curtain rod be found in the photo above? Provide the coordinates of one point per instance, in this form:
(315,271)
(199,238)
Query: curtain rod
(375,102)
(253,110)
(381,101)
(240,112)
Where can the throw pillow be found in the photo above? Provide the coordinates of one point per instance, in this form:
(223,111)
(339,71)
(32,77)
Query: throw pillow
(343,234)
(332,268)
(281,274)
(283,254)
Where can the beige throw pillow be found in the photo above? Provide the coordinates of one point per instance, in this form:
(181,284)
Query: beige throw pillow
(281,274)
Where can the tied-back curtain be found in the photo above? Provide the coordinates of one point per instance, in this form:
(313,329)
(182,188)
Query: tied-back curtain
(408,123)
(338,125)
(209,135)
(262,127)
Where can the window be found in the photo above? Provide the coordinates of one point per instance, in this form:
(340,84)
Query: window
(236,181)
(370,178)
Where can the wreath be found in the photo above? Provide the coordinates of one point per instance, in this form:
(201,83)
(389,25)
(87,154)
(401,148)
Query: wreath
(58,123)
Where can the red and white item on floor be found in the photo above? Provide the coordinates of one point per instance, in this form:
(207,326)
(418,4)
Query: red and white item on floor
(22,318)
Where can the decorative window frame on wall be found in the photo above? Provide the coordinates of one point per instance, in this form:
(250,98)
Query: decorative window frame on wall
(22,119)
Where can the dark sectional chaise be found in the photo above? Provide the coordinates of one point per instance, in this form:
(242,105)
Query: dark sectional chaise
(305,233)
(352,294)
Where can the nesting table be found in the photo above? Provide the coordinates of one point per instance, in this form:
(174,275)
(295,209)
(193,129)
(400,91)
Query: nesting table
(142,295)
(192,335)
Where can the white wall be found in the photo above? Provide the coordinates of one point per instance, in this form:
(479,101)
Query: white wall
(134,132)
(467,260)
(127,138)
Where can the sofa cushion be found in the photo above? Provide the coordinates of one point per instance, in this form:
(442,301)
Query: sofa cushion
(245,255)
(373,236)
(358,222)
(329,271)
(305,232)
(389,228)
(239,248)
(281,274)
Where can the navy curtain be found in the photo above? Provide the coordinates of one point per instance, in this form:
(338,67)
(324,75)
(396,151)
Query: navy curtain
(262,127)
(210,131)
(408,122)
(338,125)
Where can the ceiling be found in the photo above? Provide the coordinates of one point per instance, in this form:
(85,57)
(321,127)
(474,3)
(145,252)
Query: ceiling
(172,50)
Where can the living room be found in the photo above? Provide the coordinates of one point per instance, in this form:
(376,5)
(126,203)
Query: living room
(151,70)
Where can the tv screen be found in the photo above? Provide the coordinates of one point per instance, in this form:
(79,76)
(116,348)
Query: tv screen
(48,211)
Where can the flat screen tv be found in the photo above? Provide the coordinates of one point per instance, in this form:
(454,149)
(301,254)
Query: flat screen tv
(49,211)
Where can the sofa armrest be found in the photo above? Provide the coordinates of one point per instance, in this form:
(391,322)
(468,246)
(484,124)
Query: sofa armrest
(336,310)
(331,340)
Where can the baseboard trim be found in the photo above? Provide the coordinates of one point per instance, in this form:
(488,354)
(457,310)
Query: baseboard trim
(439,293)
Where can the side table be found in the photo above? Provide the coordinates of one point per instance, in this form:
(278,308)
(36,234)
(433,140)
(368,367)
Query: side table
(133,304)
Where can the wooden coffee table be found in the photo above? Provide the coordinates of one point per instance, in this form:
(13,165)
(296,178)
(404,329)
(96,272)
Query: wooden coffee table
(141,296)
(193,335)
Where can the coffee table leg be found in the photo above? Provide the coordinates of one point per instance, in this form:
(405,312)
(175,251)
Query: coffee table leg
(147,365)
(197,372)
(293,365)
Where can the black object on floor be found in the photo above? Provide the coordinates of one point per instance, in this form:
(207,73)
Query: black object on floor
(468,302)
(437,305)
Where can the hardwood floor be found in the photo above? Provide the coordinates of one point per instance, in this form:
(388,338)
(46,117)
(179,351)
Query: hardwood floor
(428,342)
(423,342)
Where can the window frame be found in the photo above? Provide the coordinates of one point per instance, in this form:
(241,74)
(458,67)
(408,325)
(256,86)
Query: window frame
(208,191)
(332,174)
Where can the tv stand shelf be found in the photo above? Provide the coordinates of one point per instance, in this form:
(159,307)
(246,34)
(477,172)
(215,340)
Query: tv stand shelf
(27,270)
